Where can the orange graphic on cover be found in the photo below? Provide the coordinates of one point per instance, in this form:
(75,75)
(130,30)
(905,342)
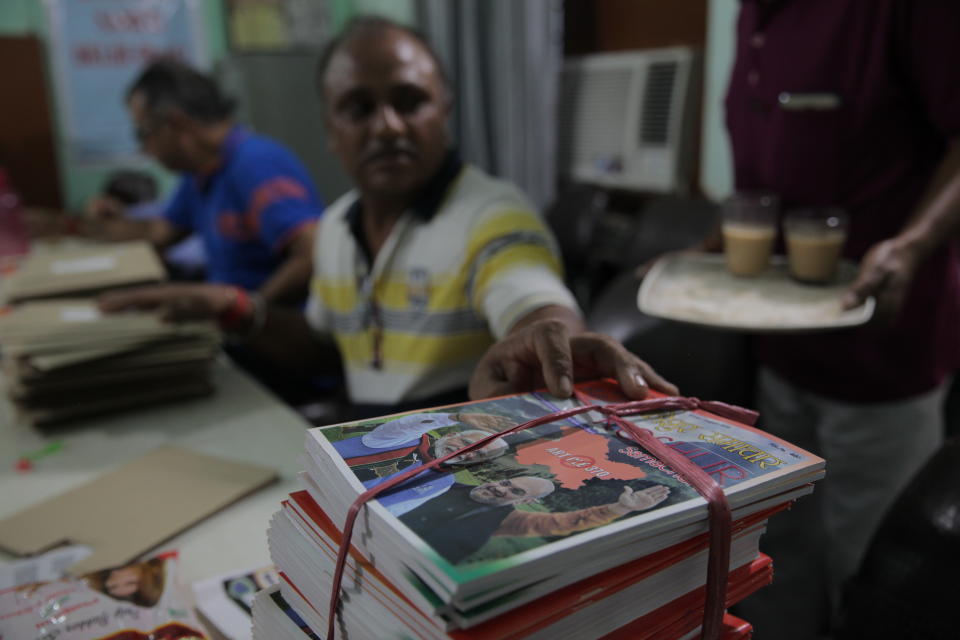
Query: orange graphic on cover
(576,458)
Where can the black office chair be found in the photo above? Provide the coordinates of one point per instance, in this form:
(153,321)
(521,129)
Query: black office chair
(703,362)
(573,218)
(906,587)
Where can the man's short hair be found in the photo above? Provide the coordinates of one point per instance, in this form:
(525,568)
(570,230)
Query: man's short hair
(167,83)
(131,187)
(371,23)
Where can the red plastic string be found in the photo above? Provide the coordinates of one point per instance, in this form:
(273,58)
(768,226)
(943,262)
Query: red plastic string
(720,519)
(719,509)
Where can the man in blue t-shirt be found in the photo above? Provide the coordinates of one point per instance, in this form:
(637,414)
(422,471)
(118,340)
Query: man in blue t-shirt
(249,198)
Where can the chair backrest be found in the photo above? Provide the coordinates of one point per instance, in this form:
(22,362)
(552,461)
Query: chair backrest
(706,363)
(573,217)
(906,586)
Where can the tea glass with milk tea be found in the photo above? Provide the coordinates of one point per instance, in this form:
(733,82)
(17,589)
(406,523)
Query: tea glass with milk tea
(749,231)
(815,239)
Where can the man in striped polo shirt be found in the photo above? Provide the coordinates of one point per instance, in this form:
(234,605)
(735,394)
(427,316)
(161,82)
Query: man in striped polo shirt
(431,275)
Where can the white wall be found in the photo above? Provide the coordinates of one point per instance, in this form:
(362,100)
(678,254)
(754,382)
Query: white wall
(716,173)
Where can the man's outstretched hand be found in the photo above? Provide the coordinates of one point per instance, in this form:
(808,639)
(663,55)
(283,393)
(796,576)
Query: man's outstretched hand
(174,302)
(546,353)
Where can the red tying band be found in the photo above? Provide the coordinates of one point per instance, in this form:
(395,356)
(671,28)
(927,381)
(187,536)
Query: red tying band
(238,312)
(718,565)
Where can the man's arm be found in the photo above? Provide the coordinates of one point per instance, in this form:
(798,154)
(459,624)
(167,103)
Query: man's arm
(889,267)
(550,348)
(50,223)
(281,335)
(290,281)
(157,231)
(530,524)
(290,342)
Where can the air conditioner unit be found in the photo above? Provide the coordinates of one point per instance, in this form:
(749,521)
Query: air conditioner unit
(627,120)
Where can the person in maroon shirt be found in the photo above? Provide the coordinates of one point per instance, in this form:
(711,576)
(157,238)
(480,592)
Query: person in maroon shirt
(854,103)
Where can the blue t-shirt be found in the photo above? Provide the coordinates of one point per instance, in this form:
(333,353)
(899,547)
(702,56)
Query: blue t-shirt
(247,210)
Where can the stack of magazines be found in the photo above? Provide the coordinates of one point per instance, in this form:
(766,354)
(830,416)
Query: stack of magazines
(273,617)
(567,529)
(63,359)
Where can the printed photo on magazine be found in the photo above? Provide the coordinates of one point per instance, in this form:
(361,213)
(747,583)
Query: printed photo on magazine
(550,483)
(226,600)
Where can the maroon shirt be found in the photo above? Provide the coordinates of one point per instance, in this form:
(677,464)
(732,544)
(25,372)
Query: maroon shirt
(874,99)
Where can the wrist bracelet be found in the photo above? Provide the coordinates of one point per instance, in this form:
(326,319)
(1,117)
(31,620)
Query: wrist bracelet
(237,312)
(245,317)
(259,317)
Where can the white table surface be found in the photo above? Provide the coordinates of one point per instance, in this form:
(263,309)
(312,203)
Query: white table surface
(241,421)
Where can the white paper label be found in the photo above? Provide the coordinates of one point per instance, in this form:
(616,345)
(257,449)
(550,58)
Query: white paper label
(83,265)
(80,314)
(49,566)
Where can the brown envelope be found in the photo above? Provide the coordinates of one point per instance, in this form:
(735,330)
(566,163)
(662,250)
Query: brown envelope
(73,271)
(131,510)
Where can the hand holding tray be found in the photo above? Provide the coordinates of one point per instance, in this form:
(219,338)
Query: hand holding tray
(696,288)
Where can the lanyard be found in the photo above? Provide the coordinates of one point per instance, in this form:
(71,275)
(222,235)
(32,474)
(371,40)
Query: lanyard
(368,281)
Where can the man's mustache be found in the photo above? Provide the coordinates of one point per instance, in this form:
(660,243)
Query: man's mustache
(390,148)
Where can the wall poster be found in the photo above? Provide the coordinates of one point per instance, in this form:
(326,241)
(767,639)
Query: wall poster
(97,48)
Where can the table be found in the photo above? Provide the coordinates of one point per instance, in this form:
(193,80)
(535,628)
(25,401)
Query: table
(241,421)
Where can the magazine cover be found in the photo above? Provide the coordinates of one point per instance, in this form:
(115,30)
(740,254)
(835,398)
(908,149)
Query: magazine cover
(137,600)
(226,600)
(549,488)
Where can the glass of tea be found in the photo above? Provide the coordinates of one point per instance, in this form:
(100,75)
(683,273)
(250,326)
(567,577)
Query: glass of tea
(815,238)
(749,231)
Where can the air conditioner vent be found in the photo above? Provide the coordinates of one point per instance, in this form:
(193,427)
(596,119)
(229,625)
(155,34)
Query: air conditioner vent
(592,110)
(657,101)
(626,119)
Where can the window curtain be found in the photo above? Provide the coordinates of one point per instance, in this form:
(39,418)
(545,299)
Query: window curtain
(503,58)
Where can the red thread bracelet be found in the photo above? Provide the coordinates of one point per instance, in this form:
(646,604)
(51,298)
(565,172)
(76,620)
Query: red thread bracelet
(234,316)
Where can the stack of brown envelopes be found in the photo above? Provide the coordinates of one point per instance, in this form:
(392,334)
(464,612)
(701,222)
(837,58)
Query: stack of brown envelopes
(64,359)
(83,270)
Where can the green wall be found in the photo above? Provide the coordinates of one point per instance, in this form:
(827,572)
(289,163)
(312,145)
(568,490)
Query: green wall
(28,17)
(20,16)
(716,162)
(400,10)
(81,182)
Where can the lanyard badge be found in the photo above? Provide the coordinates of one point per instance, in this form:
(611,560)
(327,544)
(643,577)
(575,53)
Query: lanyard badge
(372,318)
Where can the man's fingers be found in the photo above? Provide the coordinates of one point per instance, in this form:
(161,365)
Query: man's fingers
(483,385)
(869,281)
(858,292)
(656,381)
(611,359)
(139,298)
(545,354)
(489,378)
(552,346)
(599,356)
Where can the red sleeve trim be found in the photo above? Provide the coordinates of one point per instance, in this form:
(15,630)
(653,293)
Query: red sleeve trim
(285,239)
(268,193)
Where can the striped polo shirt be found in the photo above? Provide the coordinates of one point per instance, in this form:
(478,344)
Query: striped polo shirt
(457,271)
